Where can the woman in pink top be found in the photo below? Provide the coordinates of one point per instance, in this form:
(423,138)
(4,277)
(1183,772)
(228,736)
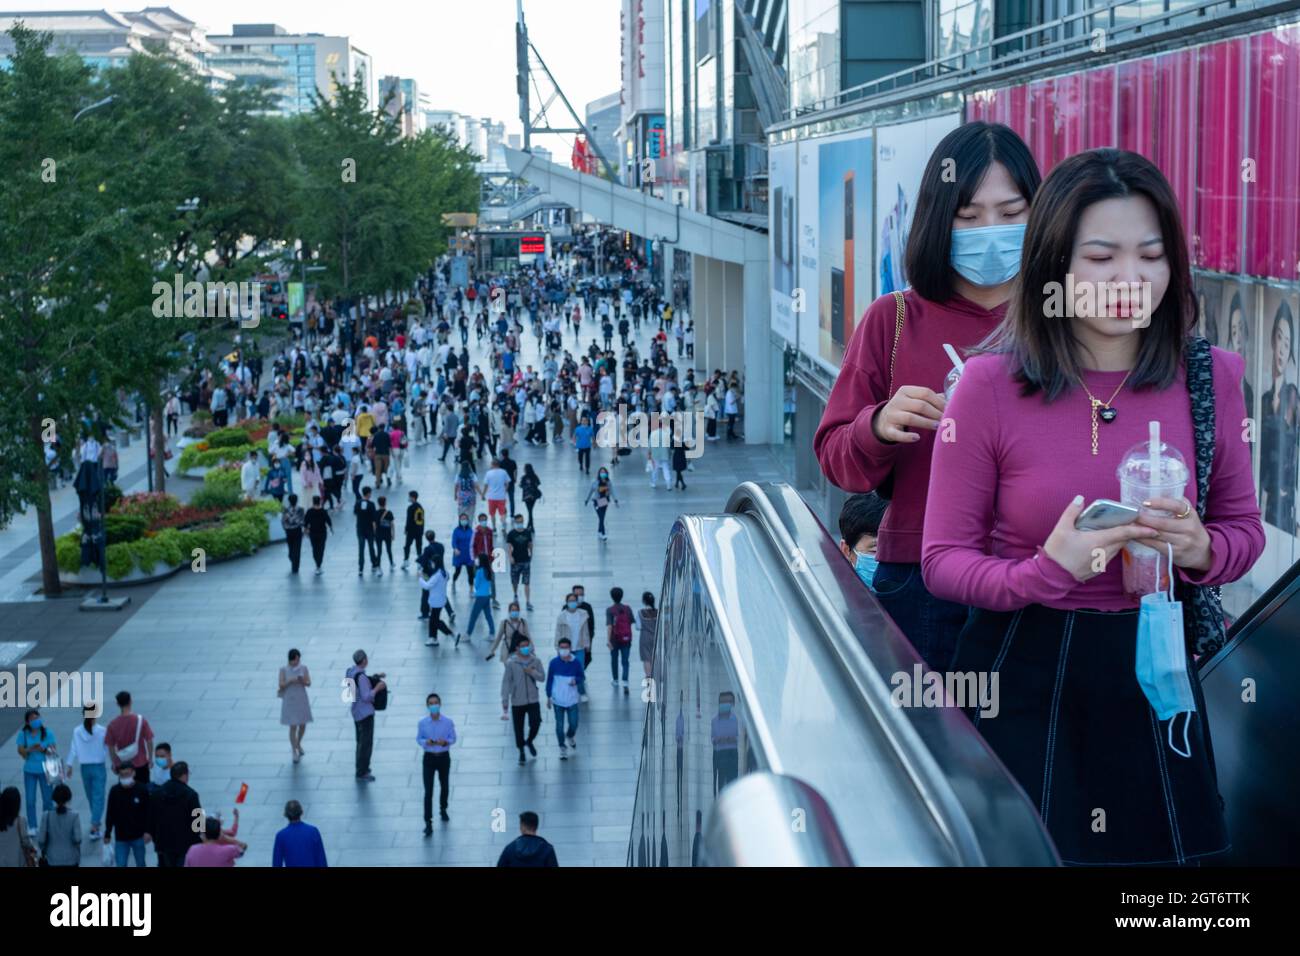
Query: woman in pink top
(877,432)
(1036,428)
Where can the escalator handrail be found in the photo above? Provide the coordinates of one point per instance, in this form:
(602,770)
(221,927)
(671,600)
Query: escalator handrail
(1269,603)
(927,777)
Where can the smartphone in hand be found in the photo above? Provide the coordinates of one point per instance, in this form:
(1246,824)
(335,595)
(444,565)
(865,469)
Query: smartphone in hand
(1105,513)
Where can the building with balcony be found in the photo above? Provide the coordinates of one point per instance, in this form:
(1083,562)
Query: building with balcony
(295,65)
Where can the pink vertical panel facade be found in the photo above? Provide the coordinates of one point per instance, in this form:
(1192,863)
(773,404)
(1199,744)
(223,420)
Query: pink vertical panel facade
(1042,121)
(1069,116)
(1273,142)
(1137,107)
(1099,115)
(1175,145)
(1220,145)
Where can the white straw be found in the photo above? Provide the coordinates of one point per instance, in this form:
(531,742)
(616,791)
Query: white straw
(1154,452)
(957,363)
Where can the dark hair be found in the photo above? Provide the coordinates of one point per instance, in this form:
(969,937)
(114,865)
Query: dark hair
(861,515)
(413,494)
(212,828)
(616,594)
(564,642)
(1283,314)
(11,802)
(1045,353)
(968,152)
(431,696)
(647,598)
(163,746)
(1236,306)
(293,811)
(294,652)
(123,698)
(62,794)
(293,499)
(529,820)
(315,499)
(180,769)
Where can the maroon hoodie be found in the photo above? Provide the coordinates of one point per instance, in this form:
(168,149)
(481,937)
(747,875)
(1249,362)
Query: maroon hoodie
(849,452)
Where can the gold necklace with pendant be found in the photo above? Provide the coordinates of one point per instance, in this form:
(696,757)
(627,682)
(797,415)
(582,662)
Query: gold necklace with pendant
(1106,409)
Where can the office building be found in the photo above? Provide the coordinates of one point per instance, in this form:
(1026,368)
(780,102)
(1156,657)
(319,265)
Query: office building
(307,63)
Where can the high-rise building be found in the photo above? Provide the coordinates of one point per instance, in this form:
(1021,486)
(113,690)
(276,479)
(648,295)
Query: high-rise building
(482,134)
(604,117)
(105,38)
(404,103)
(642,134)
(307,63)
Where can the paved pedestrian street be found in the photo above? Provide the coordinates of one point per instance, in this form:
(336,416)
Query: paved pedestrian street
(201,654)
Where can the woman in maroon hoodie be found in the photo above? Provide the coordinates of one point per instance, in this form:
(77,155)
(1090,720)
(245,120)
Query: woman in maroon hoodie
(878,431)
(1097,709)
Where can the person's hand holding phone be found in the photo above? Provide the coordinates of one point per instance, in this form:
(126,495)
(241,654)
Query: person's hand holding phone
(1076,550)
(1186,535)
(912,406)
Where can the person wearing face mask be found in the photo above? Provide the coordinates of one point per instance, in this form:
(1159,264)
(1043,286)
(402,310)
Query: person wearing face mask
(519,696)
(162,761)
(483,585)
(513,629)
(724,734)
(565,686)
(520,552)
(483,545)
(89,750)
(462,537)
(600,495)
(878,432)
(859,524)
(35,740)
(128,817)
(1100,702)
(435,735)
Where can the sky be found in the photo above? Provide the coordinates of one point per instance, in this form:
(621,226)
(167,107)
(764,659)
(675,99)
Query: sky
(460,52)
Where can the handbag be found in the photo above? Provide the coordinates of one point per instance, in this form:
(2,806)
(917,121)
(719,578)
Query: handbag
(55,770)
(885,490)
(127,754)
(1203,624)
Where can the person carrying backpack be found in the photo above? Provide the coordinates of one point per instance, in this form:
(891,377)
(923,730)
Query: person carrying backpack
(618,625)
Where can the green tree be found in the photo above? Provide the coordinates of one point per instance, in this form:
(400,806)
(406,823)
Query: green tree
(52,217)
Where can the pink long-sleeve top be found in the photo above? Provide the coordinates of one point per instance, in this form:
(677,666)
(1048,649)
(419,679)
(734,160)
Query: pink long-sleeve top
(849,452)
(1013,463)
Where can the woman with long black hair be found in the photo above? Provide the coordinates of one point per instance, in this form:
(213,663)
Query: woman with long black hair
(878,431)
(1098,710)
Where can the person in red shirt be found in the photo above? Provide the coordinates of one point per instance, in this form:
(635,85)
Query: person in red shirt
(129,731)
(481,544)
(879,427)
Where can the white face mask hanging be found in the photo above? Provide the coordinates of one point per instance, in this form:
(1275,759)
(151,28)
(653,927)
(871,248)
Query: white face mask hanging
(1161,660)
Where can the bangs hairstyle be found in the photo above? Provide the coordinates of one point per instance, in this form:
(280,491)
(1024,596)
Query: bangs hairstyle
(1045,351)
(972,148)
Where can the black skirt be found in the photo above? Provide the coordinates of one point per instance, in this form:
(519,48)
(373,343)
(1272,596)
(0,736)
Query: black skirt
(1077,733)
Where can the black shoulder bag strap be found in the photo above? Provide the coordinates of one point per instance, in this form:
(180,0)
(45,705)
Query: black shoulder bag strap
(1202,609)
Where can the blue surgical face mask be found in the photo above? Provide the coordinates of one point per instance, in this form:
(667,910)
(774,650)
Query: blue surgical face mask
(573,605)
(525,650)
(865,565)
(724,709)
(989,255)
(36,723)
(161,762)
(1161,659)
(435,709)
(514,614)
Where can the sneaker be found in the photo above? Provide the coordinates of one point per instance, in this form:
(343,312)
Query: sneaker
(531,749)
(379,572)
(296,757)
(614,682)
(319,572)
(522,760)
(367,778)
(626,689)
(428,828)
(428,642)
(435,643)
(564,754)
(573,744)
(442,815)
(361,574)
(530,607)
(405,565)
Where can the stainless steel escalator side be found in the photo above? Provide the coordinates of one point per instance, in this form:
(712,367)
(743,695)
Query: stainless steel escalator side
(1249,688)
(731,839)
(974,801)
(742,682)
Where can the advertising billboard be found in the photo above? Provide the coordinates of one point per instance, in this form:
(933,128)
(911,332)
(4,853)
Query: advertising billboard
(783,230)
(846,223)
(901,154)
(806,247)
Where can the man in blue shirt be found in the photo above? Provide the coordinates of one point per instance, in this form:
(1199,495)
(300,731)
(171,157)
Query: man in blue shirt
(435,736)
(298,844)
(582,436)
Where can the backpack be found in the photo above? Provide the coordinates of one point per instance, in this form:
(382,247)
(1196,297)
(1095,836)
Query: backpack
(381,696)
(623,624)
